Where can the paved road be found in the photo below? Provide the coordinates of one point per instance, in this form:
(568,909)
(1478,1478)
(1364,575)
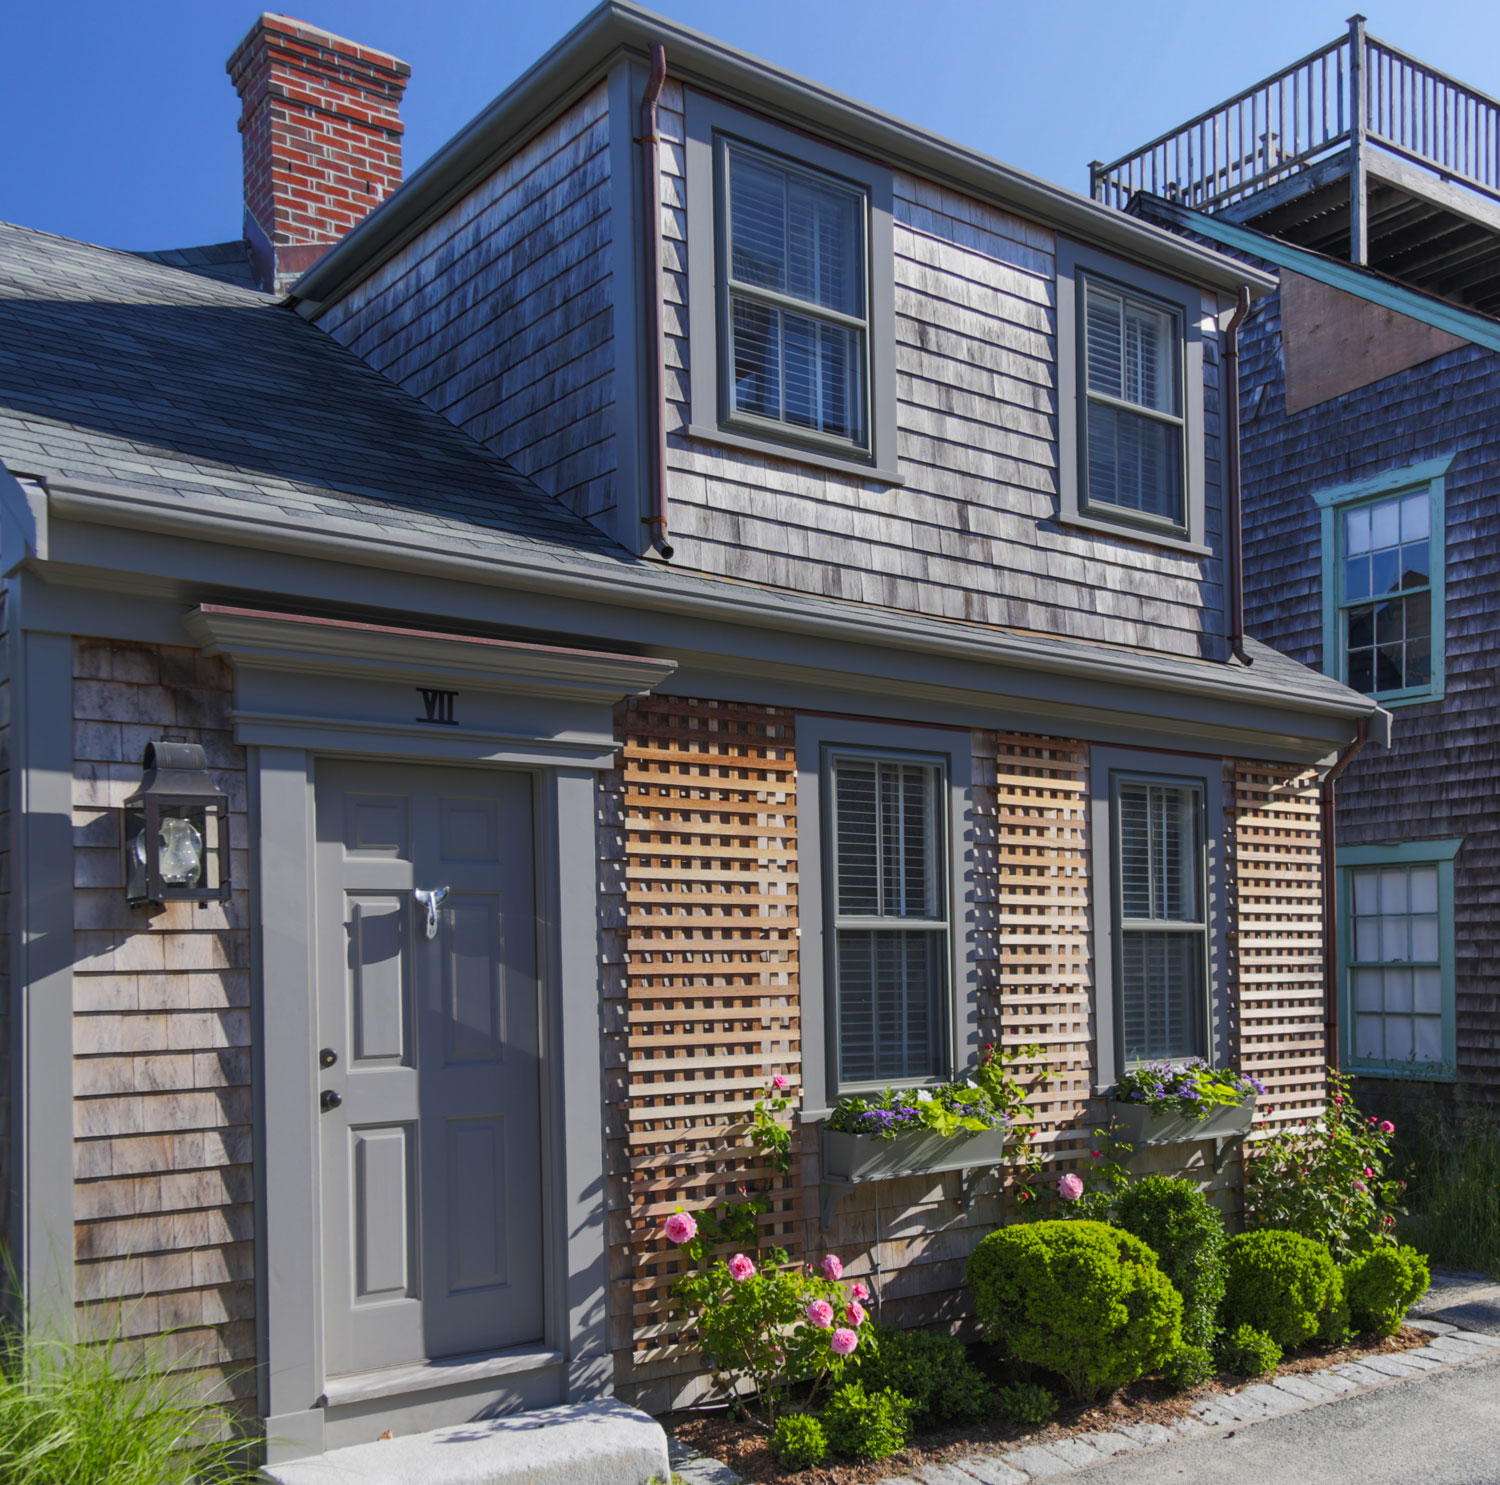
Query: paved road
(1441,1429)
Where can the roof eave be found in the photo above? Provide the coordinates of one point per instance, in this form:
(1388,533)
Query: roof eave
(617,26)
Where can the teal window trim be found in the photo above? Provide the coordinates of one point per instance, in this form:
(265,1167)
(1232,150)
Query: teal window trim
(1440,853)
(1333,502)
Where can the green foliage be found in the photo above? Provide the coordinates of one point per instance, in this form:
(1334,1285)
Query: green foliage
(1058,1199)
(1185,1231)
(1382,1285)
(107,1411)
(1193,1089)
(1188,1367)
(756,1333)
(989,1097)
(1327,1182)
(1026,1403)
(866,1425)
(1282,1283)
(1247,1352)
(798,1442)
(1455,1195)
(931,1369)
(1080,1298)
(766,1129)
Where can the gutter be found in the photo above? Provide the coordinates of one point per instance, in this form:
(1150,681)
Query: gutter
(648,586)
(656,341)
(1330,896)
(579,61)
(1234,536)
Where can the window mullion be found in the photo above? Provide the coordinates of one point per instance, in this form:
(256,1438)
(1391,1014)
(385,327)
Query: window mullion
(1123,404)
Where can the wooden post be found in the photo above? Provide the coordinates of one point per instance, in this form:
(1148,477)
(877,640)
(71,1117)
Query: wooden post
(1096,176)
(1359,121)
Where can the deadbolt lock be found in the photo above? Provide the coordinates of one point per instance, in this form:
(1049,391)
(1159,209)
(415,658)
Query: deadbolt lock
(327,1057)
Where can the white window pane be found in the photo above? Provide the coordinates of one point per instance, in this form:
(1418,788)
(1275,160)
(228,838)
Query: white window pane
(1134,462)
(887,838)
(856,839)
(1104,314)
(1159,861)
(1398,991)
(1367,892)
(1393,890)
(757,221)
(1424,889)
(1428,1032)
(1393,939)
(1161,993)
(1369,989)
(1369,1037)
(1399,1045)
(1357,530)
(1424,939)
(1150,343)
(889,984)
(1428,991)
(1367,938)
(1414,517)
(1385,524)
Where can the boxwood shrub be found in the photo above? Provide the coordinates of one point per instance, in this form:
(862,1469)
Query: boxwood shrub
(1283,1284)
(798,1442)
(1381,1285)
(930,1369)
(1248,1352)
(1185,1231)
(865,1425)
(1083,1299)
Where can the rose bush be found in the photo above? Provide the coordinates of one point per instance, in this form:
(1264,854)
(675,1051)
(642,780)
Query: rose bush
(1327,1181)
(766,1325)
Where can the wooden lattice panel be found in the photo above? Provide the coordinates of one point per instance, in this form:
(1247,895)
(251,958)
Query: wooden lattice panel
(709,842)
(1031,893)
(1274,850)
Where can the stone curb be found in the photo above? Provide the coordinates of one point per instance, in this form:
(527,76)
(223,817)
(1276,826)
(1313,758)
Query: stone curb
(1248,1404)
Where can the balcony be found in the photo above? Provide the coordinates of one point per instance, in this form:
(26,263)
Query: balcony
(1359,151)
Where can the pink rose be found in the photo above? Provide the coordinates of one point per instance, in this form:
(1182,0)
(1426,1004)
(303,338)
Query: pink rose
(741,1268)
(779,1081)
(681,1227)
(1359,1186)
(1369,1171)
(1096,1154)
(820,1312)
(1386,1127)
(1070,1187)
(855,1314)
(1338,1098)
(843,1342)
(832,1266)
(859,1291)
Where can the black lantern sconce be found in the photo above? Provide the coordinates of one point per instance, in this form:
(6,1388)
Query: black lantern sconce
(176,829)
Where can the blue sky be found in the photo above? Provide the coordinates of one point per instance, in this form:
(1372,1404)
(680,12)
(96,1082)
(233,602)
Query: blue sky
(118,120)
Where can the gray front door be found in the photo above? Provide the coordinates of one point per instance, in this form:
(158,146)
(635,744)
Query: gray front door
(431,1163)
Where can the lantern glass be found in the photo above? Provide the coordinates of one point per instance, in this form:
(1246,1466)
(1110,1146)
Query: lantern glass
(176,830)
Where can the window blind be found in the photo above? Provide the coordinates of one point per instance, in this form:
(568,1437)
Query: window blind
(890,924)
(1162,921)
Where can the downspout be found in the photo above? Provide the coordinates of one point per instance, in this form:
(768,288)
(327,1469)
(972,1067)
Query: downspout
(1233,524)
(657,356)
(1330,897)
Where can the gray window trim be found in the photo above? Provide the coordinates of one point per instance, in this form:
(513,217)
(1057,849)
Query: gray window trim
(1108,767)
(709,122)
(1075,264)
(819,739)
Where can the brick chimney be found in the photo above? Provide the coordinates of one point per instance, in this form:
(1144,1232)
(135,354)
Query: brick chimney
(320,120)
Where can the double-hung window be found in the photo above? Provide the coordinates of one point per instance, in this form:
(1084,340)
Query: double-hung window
(791,293)
(1383,583)
(1132,391)
(890,928)
(796,307)
(1161,920)
(1396,946)
(1130,346)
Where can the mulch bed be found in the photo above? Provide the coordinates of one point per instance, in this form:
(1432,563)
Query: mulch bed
(742,1446)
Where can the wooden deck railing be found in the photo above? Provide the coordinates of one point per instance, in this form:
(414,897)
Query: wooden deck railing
(1354,91)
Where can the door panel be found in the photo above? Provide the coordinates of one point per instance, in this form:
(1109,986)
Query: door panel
(431,1165)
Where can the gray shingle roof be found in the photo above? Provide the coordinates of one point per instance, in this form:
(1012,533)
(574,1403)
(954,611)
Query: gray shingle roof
(117,367)
(229,262)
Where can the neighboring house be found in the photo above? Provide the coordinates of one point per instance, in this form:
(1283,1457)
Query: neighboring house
(544,853)
(1371,457)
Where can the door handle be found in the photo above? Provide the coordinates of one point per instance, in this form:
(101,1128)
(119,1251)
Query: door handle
(330,1100)
(431,899)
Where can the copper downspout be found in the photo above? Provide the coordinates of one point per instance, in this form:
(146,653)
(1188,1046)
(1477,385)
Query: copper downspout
(1233,525)
(1330,897)
(657,362)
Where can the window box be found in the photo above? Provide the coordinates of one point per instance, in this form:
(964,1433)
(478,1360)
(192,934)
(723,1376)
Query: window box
(849,1160)
(1139,1125)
